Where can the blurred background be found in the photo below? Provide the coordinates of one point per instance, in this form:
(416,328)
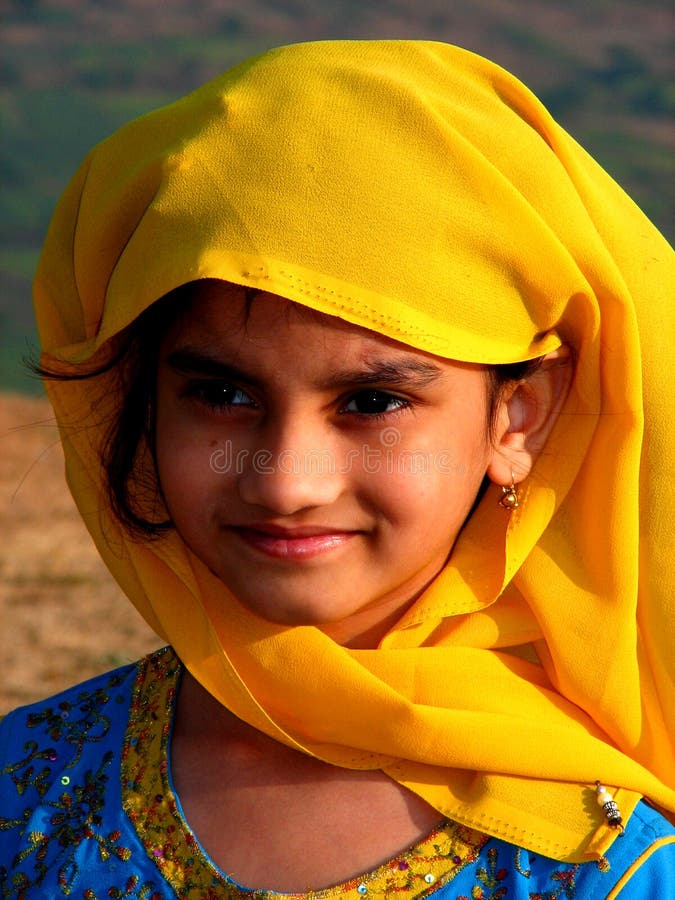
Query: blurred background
(72,71)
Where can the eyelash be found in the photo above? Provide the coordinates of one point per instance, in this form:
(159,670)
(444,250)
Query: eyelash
(213,394)
(401,404)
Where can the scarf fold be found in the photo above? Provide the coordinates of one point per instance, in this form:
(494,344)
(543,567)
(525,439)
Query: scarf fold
(422,192)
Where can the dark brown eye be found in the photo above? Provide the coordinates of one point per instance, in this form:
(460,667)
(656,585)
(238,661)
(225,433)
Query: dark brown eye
(219,394)
(374,403)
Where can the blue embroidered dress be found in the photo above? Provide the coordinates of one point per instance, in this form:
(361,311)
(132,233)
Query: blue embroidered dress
(87,810)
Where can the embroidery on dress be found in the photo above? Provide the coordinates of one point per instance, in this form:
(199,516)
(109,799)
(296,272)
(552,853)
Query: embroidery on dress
(76,810)
(566,888)
(491,876)
(133,889)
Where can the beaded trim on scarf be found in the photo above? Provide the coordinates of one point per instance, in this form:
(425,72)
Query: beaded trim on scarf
(152,807)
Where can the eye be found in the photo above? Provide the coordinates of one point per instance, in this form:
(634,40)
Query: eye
(219,394)
(374,403)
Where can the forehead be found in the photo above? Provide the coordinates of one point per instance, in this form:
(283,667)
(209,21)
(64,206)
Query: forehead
(226,317)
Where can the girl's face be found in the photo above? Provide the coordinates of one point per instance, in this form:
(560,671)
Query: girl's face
(321,471)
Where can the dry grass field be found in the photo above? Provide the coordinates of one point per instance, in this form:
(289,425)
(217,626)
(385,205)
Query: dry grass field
(62,617)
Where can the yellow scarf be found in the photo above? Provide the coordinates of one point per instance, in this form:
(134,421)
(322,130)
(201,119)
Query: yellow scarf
(422,192)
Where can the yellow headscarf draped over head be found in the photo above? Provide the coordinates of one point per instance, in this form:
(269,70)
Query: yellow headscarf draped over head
(422,192)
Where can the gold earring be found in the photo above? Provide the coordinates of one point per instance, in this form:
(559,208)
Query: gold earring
(509,497)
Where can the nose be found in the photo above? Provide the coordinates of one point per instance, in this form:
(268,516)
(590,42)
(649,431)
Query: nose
(293,467)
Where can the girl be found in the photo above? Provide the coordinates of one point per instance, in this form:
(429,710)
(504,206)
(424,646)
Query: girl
(358,361)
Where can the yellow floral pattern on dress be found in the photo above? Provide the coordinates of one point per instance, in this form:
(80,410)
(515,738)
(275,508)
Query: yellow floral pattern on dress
(153,809)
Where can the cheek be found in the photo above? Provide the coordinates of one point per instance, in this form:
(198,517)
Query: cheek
(185,475)
(431,490)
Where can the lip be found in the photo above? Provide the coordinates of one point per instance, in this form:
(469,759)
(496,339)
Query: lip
(303,542)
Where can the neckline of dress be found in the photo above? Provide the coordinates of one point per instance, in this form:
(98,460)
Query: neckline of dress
(151,803)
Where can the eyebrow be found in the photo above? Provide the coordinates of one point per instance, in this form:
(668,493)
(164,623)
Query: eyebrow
(414,372)
(194,362)
(392,372)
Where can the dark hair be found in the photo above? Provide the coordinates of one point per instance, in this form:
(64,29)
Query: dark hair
(131,366)
(129,371)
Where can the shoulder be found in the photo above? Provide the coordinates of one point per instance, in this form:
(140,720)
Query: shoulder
(59,771)
(648,861)
(640,865)
(85,708)
(85,713)
(58,713)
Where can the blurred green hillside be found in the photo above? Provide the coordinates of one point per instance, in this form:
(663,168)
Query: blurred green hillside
(72,71)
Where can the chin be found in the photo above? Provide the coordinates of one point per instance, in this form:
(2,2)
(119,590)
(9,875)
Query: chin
(287,604)
(294,615)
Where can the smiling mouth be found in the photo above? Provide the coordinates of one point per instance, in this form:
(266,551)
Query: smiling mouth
(293,544)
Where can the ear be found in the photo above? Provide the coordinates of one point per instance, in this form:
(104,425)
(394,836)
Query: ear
(527,412)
